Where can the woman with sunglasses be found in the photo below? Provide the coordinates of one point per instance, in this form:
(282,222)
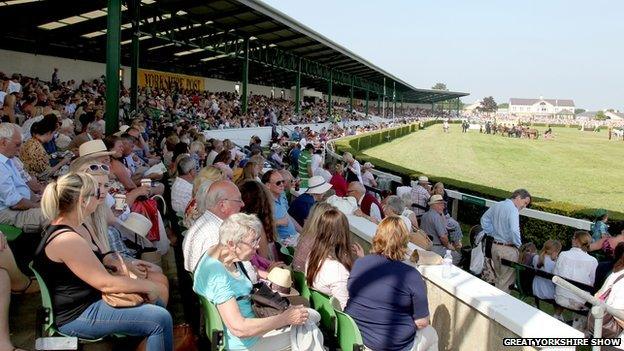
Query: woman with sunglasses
(103,222)
(70,262)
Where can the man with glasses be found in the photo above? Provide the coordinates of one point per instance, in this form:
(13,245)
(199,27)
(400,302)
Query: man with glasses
(223,199)
(19,207)
(287,227)
(502,223)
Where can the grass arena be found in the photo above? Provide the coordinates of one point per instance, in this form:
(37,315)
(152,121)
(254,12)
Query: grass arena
(578,167)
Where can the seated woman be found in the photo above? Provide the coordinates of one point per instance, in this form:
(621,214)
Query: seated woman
(34,156)
(600,227)
(71,263)
(308,235)
(110,156)
(388,298)
(219,279)
(249,172)
(575,264)
(258,201)
(612,291)
(201,184)
(102,221)
(12,281)
(331,256)
(543,288)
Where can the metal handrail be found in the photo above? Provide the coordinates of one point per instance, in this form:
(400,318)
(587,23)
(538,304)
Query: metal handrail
(598,309)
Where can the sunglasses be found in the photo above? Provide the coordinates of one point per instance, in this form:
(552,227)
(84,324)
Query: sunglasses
(99,167)
(279,182)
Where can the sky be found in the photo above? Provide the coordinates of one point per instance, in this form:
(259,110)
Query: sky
(526,49)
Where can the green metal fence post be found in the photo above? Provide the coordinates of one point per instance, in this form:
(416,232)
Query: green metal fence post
(298,89)
(245,96)
(113,56)
(134,64)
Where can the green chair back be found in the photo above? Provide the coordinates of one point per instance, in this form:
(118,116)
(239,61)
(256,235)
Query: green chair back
(301,285)
(349,337)
(214,325)
(324,307)
(285,253)
(10,232)
(46,323)
(45,319)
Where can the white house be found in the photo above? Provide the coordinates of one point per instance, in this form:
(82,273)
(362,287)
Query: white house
(542,107)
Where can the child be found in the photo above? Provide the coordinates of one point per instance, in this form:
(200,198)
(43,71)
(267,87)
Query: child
(600,227)
(543,288)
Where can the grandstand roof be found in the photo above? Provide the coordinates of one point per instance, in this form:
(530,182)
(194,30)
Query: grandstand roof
(204,37)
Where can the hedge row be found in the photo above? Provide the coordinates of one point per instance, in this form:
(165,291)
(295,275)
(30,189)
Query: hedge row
(533,230)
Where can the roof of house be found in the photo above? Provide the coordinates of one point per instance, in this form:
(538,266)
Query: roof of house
(554,102)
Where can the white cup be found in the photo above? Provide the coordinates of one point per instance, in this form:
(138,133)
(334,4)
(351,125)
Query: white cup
(120,202)
(146,182)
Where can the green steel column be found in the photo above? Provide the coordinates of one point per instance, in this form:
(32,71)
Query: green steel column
(383,100)
(134,65)
(393,98)
(351,96)
(329,96)
(245,97)
(298,89)
(366,103)
(113,53)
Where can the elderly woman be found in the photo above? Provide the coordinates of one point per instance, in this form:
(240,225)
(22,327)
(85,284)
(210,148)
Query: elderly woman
(220,278)
(388,298)
(393,205)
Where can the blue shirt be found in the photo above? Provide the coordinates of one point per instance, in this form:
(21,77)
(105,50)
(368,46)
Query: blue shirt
(502,222)
(385,298)
(12,187)
(217,285)
(599,229)
(281,210)
(300,207)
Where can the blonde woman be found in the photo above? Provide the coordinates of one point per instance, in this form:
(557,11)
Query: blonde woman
(388,298)
(70,262)
(545,261)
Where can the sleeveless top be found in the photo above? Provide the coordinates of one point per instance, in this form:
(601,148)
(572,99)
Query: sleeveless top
(70,295)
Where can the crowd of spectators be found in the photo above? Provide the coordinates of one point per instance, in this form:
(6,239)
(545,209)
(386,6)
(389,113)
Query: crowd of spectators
(92,195)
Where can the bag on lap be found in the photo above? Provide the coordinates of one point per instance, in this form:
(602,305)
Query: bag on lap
(420,238)
(123,299)
(610,326)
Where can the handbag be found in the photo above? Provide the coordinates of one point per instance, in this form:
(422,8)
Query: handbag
(123,299)
(610,327)
(264,301)
(420,238)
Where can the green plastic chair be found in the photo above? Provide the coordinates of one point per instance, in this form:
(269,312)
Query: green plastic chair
(10,232)
(349,337)
(214,325)
(285,253)
(301,285)
(45,317)
(324,307)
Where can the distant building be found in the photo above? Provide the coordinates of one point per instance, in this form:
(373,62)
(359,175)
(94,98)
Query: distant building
(562,108)
(614,115)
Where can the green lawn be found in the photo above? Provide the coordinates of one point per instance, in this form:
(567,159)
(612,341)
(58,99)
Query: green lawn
(582,168)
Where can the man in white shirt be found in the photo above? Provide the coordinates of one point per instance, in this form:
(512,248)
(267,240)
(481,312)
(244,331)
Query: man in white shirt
(354,170)
(182,188)
(222,200)
(420,196)
(574,264)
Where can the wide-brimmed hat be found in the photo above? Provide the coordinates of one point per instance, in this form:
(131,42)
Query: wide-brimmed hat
(281,281)
(138,224)
(93,148)
(317,185)
(601,212)
(434,199)
(423,179)
(124,128)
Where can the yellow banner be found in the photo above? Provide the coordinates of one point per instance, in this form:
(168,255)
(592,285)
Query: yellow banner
(164,80)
